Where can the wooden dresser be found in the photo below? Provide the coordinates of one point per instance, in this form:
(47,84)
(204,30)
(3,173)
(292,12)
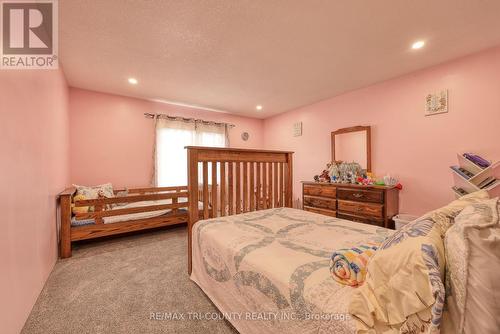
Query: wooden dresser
(374,205)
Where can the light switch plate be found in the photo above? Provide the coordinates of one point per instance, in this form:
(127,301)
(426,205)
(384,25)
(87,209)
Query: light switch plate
(297,129)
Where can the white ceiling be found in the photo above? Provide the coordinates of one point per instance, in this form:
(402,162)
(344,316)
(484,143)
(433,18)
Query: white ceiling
(232,55)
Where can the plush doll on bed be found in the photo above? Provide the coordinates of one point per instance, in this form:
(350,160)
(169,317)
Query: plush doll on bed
(102,195)
(79,209)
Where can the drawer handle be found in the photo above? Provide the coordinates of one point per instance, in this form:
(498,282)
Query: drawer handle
(357,195)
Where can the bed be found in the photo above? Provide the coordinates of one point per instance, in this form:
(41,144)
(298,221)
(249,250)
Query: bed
(275,263)
(140,209)
(233,257)
(268,267)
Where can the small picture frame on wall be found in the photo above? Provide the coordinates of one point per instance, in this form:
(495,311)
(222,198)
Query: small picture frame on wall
(436,103)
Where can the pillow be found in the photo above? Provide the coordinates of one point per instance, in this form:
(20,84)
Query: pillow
(404,287)
(473,269)
(93,192)
(123,193)
(444,216)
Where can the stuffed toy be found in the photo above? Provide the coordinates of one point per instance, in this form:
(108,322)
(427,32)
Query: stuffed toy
(101,195)
(333,169)
(324,177)
(79,209)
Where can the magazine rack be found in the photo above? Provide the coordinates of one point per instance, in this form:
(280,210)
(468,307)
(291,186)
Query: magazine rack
(480,175)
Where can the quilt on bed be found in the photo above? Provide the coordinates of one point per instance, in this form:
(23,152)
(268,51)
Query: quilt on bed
(268,271)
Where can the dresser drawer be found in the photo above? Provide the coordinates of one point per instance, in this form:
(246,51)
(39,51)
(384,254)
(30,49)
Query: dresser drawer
(361,209)
(320,202)
(326,212)
(360,195)
(364,220)
(320,190)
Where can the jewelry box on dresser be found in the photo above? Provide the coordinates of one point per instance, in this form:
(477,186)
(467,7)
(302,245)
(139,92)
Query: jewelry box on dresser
(374,205)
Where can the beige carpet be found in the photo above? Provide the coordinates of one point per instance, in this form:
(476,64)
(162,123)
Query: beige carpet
(113,286)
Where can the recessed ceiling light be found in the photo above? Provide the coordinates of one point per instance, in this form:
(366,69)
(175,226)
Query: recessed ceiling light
(259,107)
(418,45)
(132,81)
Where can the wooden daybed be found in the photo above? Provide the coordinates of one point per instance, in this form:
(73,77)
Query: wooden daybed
(177,213)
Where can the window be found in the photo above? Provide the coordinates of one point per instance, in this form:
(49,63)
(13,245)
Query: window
(171,156)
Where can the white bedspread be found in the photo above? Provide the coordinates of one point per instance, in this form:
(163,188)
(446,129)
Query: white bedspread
(268,271)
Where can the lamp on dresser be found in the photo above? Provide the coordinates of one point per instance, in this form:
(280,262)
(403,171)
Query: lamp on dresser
(370,204)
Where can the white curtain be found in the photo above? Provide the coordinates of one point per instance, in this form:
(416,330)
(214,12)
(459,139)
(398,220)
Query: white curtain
(172,135)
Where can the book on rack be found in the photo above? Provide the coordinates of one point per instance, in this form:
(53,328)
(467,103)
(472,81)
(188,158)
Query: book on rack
(477,160)
(462,172)
(459,191)
(487,182)
(473,173)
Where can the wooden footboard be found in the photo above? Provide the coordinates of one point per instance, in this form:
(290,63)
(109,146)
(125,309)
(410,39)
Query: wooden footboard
(103,208)
(240,180)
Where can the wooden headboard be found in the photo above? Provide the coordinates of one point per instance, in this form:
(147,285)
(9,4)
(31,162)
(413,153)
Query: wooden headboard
(240,180)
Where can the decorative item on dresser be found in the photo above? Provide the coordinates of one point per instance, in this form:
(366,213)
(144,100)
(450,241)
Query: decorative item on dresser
(375,205)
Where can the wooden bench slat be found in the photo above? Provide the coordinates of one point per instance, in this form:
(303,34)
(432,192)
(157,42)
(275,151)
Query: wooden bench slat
(151,189)
(222,189)
(258,205)
(282,184)
(252,187)
(269,190)
(126,211)
(245,186)
(205,190)
(275,185)
(264,186)
(230,188)
(238,188)
(214,190)
(129,199)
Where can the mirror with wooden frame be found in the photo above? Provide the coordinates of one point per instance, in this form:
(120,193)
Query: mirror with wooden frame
(353,145)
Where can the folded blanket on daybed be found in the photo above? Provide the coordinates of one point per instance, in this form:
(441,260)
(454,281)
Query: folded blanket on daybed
(82,222)
(348,266)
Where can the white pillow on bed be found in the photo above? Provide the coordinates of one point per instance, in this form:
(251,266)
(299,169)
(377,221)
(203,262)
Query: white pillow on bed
(93,192)
(472,247)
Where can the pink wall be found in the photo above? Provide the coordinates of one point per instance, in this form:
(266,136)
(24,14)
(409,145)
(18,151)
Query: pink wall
(34,169)
(405,143)
(111,140)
